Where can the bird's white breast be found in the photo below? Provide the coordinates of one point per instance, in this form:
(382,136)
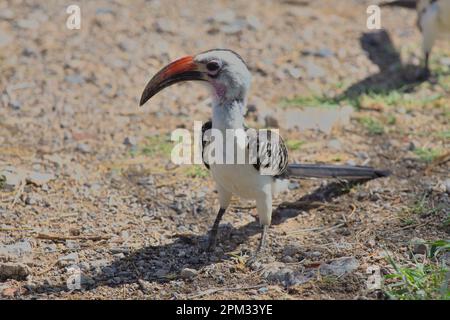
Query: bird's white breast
(242,180)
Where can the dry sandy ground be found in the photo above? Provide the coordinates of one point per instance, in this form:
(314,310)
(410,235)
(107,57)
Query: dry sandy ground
(115,207)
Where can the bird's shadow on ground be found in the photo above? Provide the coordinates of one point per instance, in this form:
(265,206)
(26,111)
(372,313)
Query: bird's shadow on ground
(164,263)
(393,73)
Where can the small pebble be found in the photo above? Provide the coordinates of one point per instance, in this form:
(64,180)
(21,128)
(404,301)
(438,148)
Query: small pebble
(188,273)
(83,148)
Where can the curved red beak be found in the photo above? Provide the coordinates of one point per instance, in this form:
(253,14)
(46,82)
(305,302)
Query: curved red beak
(184,69)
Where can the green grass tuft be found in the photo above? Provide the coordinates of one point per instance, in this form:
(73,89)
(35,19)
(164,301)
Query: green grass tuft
(447,221)
(158,145)
(444,134)
(293,145)
(426,280)
(422,207)
(368,100)
(311,101)
(394,98)
(373,127)
(197,171)
(427,154)
(391,120)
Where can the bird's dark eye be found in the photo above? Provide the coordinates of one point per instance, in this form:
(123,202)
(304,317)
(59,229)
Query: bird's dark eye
(213,66)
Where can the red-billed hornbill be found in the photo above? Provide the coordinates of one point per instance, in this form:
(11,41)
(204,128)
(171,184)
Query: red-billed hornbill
(433,20)
(227,75)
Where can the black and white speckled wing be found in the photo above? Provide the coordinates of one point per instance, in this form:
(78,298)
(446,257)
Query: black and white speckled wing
(266,150)
(271,152)
(205,141)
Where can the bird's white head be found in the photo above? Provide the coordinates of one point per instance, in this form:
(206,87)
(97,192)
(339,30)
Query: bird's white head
(223,69)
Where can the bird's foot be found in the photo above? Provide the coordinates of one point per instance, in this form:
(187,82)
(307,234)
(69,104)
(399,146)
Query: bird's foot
(262,241)
(423,74)
(212,239)
(433,79)
(214,231)
(259,259)
(260,254)
(212,243)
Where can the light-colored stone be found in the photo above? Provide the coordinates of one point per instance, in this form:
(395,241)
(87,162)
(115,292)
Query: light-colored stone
(13,270)
(188,273)
(339,266)
(39,178)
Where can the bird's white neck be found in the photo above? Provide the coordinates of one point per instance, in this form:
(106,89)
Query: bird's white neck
(228,114)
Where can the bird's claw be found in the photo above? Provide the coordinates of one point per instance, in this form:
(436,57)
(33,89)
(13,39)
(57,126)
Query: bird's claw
(259,258)
(423,74)
(211,246)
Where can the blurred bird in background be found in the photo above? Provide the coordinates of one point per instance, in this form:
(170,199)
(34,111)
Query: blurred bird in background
(229,79)
(433,20)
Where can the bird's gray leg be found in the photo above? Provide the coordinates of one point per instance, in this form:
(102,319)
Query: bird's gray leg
(224,201)
(264,208)
(260,254)
(427,61)
(429,33)
(425,73)
(214,230)
(262,241)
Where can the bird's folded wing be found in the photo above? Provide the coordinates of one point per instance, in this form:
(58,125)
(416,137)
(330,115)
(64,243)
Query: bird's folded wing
(270,151)
(266,150)
(205,141)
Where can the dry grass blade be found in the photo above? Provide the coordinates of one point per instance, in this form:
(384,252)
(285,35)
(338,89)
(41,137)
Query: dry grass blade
(54,237)
(438,161)
(18,194)
(216,290)
(15,229)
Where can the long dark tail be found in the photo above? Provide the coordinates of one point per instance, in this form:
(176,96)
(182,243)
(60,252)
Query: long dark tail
(335,171)
(410,4)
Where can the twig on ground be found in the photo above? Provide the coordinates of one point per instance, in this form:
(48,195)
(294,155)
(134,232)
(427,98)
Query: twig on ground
(438,161)
(168,183)
(18,193)
(15,229)
(353,210)
(55,237)
(321,230)
(40,273)
(306,230)
(418,225)
(215,290)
